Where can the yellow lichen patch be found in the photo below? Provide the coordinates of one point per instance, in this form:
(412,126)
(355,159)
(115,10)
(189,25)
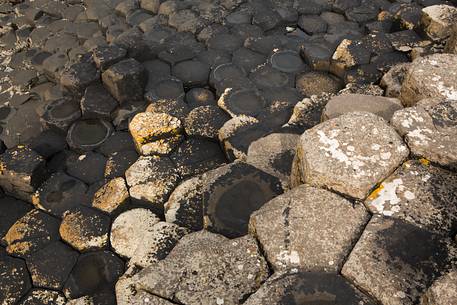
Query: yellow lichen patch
(19,248)
(424,161)
(376,192)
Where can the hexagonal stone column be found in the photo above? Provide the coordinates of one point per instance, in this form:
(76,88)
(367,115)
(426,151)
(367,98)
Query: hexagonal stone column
(349,154)
(395,261)
(14,280)
(308,228)
(430,129)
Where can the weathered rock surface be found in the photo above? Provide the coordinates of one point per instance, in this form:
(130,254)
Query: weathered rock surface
(14,279)
(429,129)
(430,77)
(349,154)
(438,20)
(111,195)
(443,291)
(206,268)
(308,228)
(388,264)
(43,297)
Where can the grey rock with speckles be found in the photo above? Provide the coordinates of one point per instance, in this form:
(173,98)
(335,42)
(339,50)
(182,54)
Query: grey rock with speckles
(308,228)
(443,291)
(430,129)
(349,154)
(438,20)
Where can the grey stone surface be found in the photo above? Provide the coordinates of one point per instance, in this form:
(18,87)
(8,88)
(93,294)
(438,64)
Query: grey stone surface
(438,20)
(418,193)
(443,291)
(379,105)
(308,228)
(429,129)
(388,263)
(349,154)
(206,268)
(393,79)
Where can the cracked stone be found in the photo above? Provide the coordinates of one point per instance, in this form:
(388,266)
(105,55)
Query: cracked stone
(106,56)
(79,76)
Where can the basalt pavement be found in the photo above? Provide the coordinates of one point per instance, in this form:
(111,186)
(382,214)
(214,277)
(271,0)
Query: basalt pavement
(228,152)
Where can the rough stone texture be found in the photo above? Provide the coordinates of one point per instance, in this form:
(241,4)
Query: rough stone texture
(128,230)
(10,211)
(206,268)
(205,121)
(418,193)
(274,155)
(333,225)
(443,291)
(438,20)
(393,79)
(379,105)
(388,264)
(21,171)
(155,133)
(429,129)
(315,83)
(451,45)
(43,297)
(431,76)
(307,288)
(14,279)
(111,195)
(349,154)
(85,229)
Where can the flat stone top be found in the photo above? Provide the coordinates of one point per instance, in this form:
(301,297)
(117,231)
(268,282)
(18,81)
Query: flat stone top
(21,160)
(350,154)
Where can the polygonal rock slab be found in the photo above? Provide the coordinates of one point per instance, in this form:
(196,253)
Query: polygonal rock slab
(388,264)
(205,121)
(119,162)
(307,288)
(129,228)
(274,154)
(308,228)
(349,154)
(430,129)
(155,133)
(418,193)
(97,103)
(14,279)
(111,196)
(78,76)
(432,76)
(379,105)
(443,291)
(11,210)
(86,135)
(85,229)
(206,268)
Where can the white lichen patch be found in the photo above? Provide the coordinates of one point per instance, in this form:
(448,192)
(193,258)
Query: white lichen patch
(387,200)
(287,258)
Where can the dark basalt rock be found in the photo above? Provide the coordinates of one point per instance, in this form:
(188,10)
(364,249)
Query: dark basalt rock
(97,103)
(307,288)
(247,60)
(15,280)
(168,88)
(30,233)
(125,80)
(192,73)
(60,193)
(86,135)
(48,143)
(94,272)
(287,61)
(205,121)
(196,97)
(225,42)
(60,114)
(10,211)
(38,296)
(118,141)
(223,72)
(312,24)
(268,77)
(119,162)
(247,102)
(106,56)
(174,107)
(78,76)
(50,266)
(88,167)
(315,83)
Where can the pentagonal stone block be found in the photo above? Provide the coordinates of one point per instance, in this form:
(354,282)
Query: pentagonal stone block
(349,154)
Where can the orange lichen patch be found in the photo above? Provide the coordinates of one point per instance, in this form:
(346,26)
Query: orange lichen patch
(19,247)
(424,161)
(376,192)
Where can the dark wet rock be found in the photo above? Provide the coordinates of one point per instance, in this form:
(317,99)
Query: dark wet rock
(10,211)
(166,88)
(22,171)
(116,142)
(443,291)
(14,280)
(50,266)
(307,288)
(93,274)
(125,80)
(155,133)
(129,229)
(85,229)
(349,154)
(54,64)
(60,114)
(196,156)
(225,71)
(379,105)
(205,121)
(88,167)
(429,129)
(225,42)
(174,107)
(119,162)
(38,296)
(315,83)
(60,193)
(430,77)
(196,97)
(203,269)
(392,81)
(395,269)
(287,61)
(111,196)
(97,103)
(79,76)
(192,73)
(420,194)
(242,102)
(327,240)
(48,143)
(86,135)
(274,154)
(30,233)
